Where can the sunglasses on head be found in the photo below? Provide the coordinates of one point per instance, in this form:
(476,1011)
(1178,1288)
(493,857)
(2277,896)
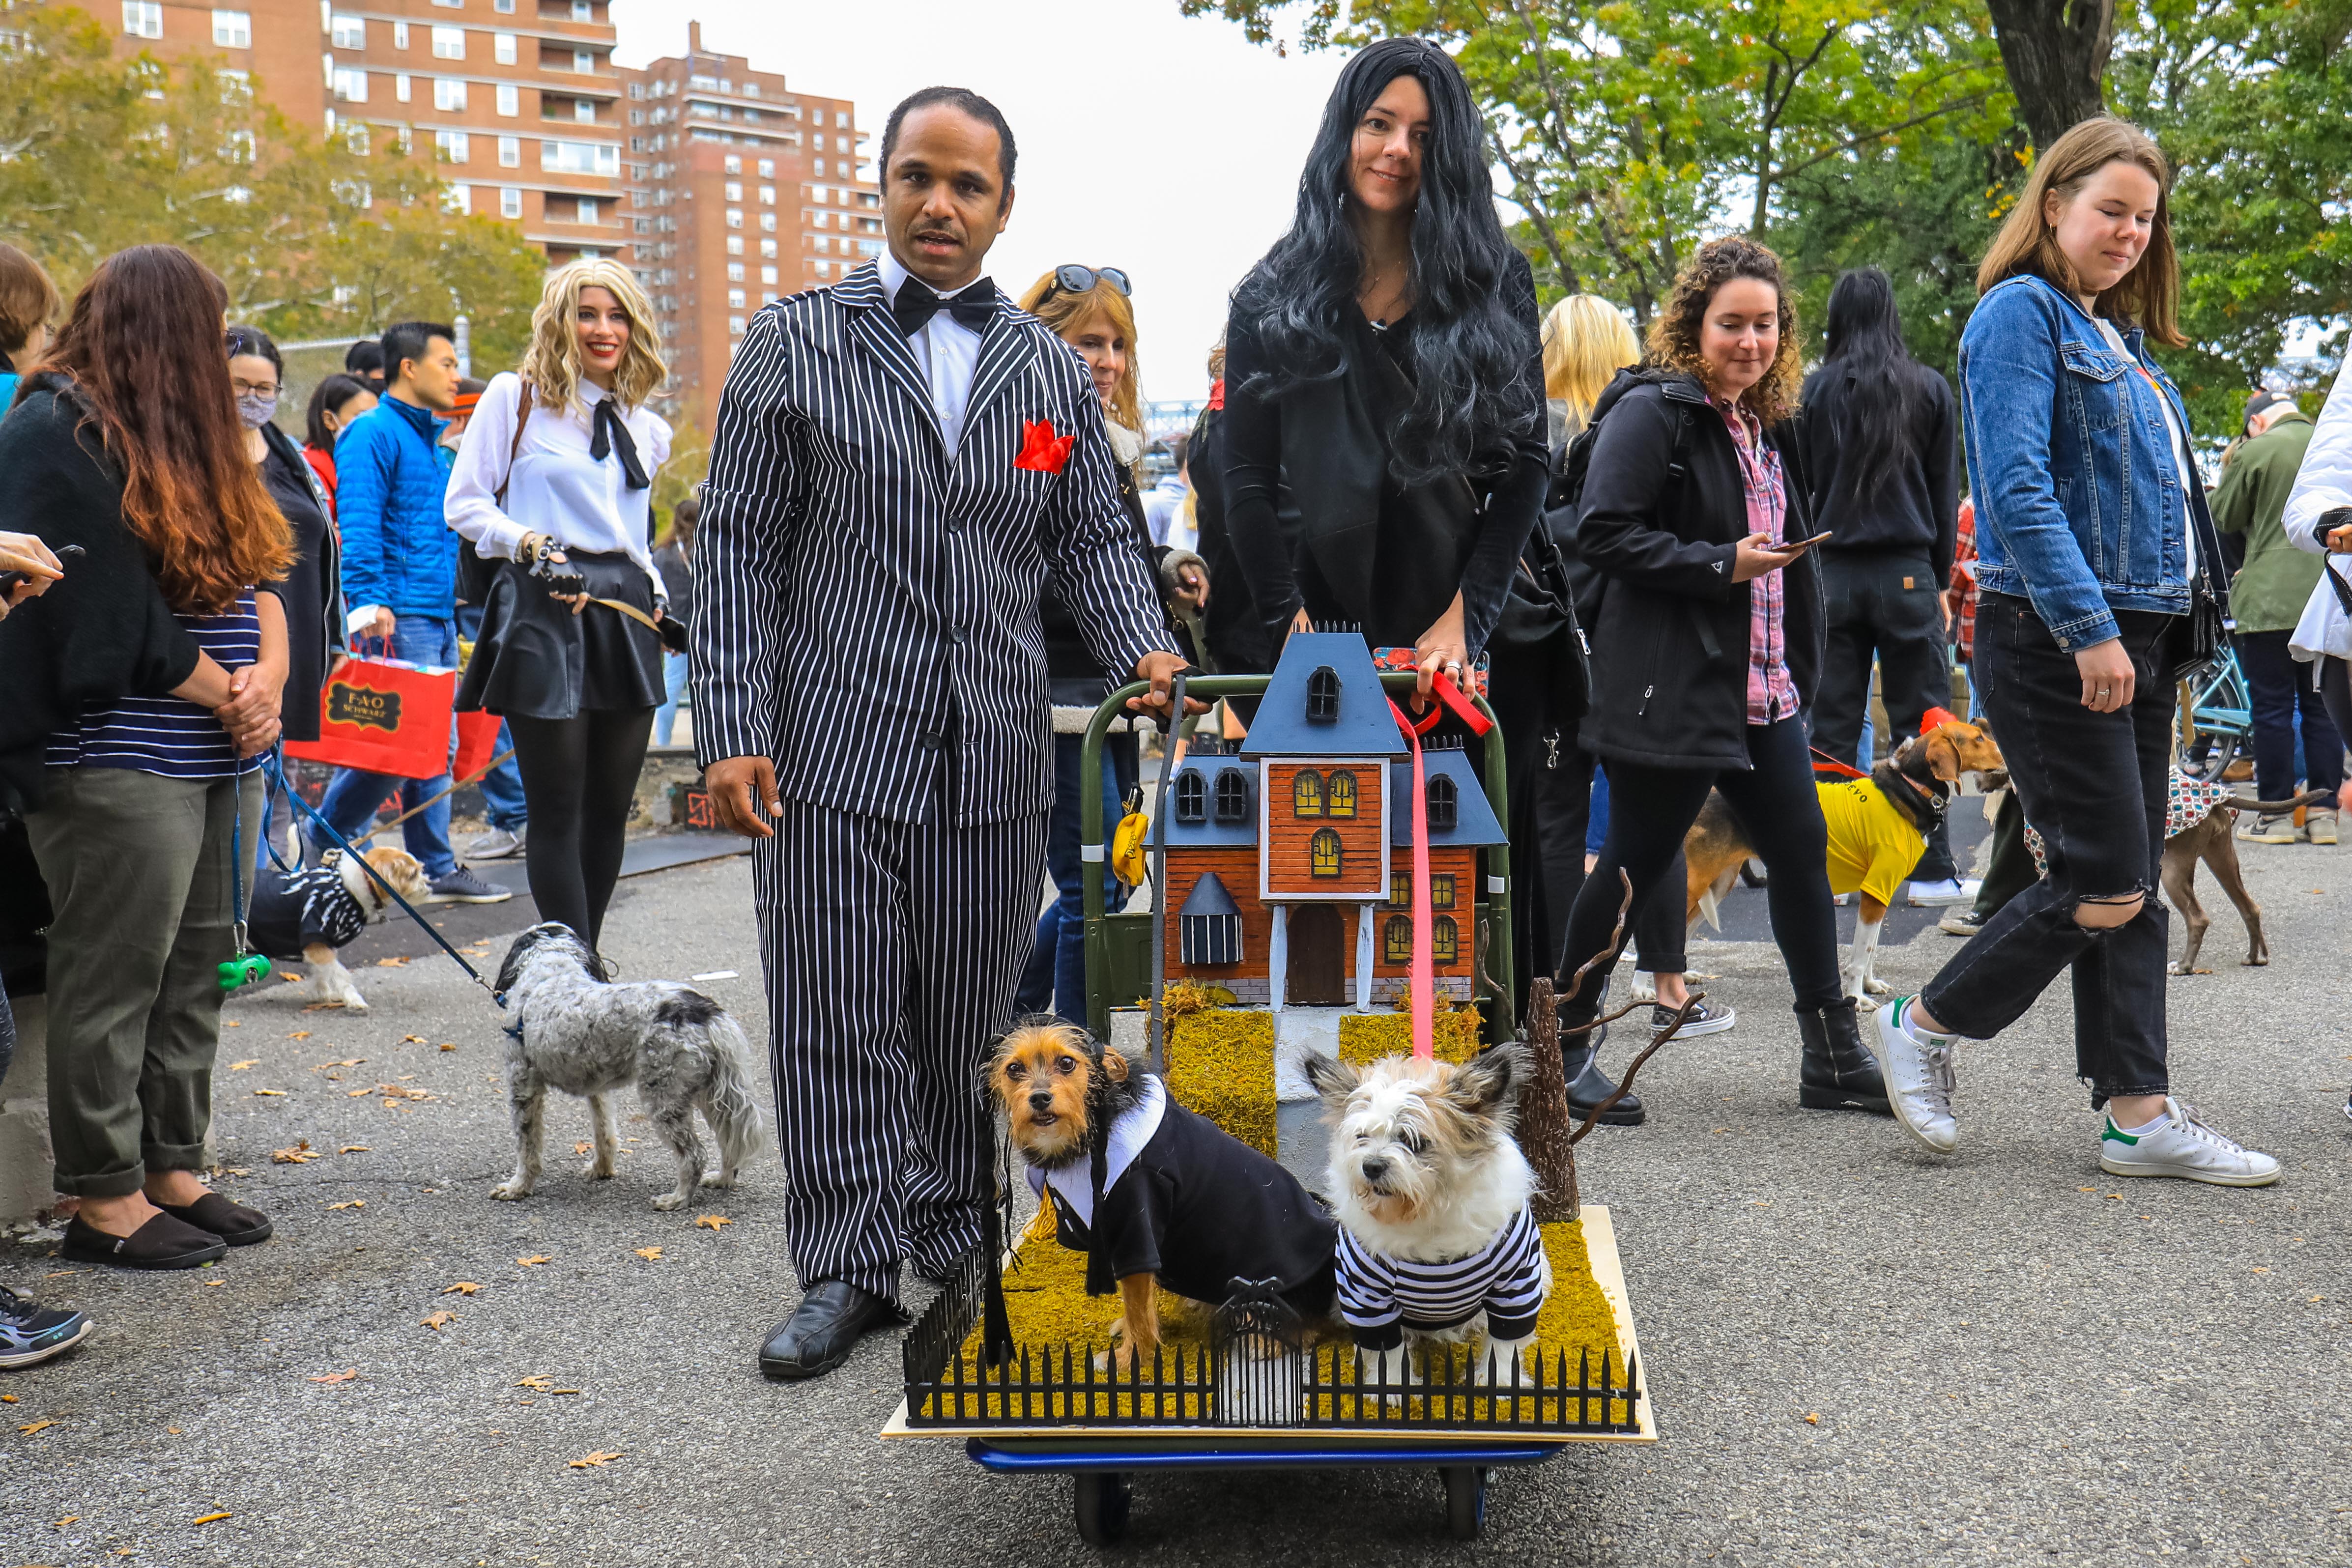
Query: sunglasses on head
(1071,278)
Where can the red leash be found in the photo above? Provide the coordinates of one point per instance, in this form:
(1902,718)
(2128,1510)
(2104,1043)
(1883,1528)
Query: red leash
(1423,970)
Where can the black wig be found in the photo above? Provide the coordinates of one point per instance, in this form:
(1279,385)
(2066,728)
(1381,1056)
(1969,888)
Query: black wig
(1472,353)
(1878,419)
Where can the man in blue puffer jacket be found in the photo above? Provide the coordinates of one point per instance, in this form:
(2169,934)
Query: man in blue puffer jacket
(400,576)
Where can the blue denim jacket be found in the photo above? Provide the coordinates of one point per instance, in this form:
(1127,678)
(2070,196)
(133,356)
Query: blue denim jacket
(2078,496)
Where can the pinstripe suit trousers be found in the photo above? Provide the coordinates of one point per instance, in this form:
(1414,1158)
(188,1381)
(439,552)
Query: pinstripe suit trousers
(891,950)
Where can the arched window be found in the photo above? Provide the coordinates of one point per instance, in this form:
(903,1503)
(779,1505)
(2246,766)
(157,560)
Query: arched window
(1323,852)
(1396,939)
(1442,807)
(1232,796)
(1192,796)
(1307,793)
(1323,695)
(1445,940)
(1340,795)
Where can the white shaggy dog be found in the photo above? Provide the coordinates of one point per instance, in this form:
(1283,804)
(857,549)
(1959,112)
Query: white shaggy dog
(576,1031)
(1436,1241)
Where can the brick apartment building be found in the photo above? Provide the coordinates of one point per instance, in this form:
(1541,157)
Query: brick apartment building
(718,185)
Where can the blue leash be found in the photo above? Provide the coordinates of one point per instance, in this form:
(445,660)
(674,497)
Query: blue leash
(273,766)
(247,966)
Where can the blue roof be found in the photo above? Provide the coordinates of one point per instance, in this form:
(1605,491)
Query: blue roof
(1365,727)
(1212,833)
(1473,816)
(1209,897)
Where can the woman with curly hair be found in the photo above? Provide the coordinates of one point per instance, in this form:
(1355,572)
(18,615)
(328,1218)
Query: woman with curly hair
(554,483)
(1709,639)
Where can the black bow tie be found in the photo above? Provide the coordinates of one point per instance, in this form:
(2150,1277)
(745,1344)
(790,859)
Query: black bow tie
(916,305)
(607,433)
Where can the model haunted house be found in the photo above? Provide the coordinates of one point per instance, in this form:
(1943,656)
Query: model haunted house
(1290,865)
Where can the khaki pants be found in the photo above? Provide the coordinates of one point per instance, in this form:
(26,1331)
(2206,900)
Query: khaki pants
(137,868)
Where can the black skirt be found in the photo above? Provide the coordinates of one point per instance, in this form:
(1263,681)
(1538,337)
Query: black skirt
(537,659)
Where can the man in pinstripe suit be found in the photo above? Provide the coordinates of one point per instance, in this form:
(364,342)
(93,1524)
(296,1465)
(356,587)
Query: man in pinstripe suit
(901,460)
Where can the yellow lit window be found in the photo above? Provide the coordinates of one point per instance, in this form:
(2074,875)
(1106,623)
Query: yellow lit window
(1401,889)
(1445,940)
(1307,793)
(1396,939)
(1341,795)
(1441,893)
(1323,852)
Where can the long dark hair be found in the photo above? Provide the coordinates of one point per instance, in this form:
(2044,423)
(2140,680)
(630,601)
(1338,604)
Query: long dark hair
(1877,416)
(335,394)
(143,348)
(1473,357)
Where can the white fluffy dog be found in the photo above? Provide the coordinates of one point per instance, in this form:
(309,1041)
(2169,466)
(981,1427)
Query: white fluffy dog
(1436,1241)
(577,1031)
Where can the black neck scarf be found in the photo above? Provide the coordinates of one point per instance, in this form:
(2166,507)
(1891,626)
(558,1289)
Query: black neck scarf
(608,434)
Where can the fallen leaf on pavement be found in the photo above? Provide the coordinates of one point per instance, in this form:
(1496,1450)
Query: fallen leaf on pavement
(210,1284)
(67,1520)
(462,1288)
(32,1427)
(300,1154)
(7,1400)
(581,1148)
(1812,1419)
(279,1093)
(232,1023)
(435,1320)
(394,1091)
(390,963)
(353,1149)
(241,1066)
(338,1377)
(346,1062)
(213,1518)
(650,1254)
(449,1045)
(536,1381)
(2260,1271)
(711,1221)
(533,1261)
(355,1203)
(288,974)
(595,1459)
(300,1034)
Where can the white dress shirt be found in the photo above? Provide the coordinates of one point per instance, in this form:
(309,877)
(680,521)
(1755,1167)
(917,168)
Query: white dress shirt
(947,349)
(557,489)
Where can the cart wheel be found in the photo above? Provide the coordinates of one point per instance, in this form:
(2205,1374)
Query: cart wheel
(1101,1497)
(1465,1500)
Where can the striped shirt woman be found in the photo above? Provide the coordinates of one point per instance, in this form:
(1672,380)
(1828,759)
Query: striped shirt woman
(164,734)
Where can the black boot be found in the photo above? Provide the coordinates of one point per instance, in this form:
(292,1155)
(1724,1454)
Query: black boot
(1839,1074)
(1588,1085)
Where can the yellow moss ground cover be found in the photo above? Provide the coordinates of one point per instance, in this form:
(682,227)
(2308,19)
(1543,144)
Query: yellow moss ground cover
(1221,1064)
(1365,1037)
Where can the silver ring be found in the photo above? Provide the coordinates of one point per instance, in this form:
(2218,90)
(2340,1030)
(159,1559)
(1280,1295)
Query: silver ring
(2104,691)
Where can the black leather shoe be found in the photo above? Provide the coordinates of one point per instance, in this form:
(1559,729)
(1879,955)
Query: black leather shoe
(1838,1073)
(1588,1085)
(232,1222)
(833,1316)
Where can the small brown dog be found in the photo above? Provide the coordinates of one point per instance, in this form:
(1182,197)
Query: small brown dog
(1153,1192)
(1915,784)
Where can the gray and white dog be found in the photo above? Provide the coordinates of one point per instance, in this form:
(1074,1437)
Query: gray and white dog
(579,1033)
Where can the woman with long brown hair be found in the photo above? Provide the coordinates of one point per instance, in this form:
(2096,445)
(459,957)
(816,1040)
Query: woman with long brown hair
(144,686)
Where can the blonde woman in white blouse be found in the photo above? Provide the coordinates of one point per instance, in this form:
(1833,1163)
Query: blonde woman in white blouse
(555,485)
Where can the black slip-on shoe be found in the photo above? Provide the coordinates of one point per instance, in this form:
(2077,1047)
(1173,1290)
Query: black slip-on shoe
(232,1222)
(163,1242)
(833,1316)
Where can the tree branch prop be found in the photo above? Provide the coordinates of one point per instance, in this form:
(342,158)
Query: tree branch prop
(1682,1017)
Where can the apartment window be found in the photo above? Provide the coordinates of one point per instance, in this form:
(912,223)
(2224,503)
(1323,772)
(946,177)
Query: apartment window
(818,142)
(504,7)
(767,168)
(636,90)
(768,196)
(232,29)
(768,275)
(841,118)
(825,220)
(580,158)
(734,272)
(510,152)
(582,11)
(448,94)
(588,209)
(142,18)
(819,166)
(768,248)
(399,86)
(510,196)
(824,245)
(734,219)
(734,191)
(355,137)
(735,300)
(582,60)
(459,199)
(637,117)
(400,35)
(767,222)
(735,325)
(734,244)
(584,110)
(502,48)
(350,85)
(349,32)
(451,4)
(448,43)
(509,99)
(734,165)
(453,146)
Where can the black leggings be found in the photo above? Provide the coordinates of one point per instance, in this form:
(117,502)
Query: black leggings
(2334,690)
(580,781)
(1650,810)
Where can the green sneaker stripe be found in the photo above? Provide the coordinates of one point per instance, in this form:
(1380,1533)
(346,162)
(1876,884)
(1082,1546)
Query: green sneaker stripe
(2117,1133)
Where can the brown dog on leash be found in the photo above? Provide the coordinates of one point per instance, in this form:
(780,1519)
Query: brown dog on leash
(1915,784)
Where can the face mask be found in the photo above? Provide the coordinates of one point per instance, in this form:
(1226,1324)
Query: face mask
(254,411)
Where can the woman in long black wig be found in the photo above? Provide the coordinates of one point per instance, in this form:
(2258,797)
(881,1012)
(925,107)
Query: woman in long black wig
(1384,378)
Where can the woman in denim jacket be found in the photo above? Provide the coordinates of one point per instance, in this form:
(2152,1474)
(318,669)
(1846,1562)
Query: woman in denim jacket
(2092,538)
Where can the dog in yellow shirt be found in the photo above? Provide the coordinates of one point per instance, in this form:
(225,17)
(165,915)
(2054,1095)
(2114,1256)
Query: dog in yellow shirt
(1877,832)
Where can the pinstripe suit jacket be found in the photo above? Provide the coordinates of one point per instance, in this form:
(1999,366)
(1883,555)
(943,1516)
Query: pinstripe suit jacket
(867,606)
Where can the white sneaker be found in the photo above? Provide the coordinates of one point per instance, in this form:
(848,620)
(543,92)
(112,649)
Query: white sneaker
(1918,1078)
(2181,1145)
(1937,894)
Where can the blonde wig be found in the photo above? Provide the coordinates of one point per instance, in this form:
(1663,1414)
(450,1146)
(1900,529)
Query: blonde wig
(1066,315)
(551,363)
(2148,296)
(1586,341)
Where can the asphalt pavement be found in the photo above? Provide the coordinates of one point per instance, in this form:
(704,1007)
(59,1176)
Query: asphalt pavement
(1860,1353)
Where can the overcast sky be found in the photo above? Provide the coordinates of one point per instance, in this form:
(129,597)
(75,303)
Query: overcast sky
(1167,146)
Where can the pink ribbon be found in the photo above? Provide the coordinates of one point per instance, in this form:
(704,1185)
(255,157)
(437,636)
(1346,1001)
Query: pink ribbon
(1424,972)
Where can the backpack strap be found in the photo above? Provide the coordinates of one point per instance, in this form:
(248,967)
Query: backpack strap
(523,419)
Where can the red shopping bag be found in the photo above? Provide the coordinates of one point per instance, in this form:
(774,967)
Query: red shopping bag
(478,742)
(383,715)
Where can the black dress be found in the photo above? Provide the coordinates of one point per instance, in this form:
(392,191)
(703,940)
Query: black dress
(311,589)
(534,657)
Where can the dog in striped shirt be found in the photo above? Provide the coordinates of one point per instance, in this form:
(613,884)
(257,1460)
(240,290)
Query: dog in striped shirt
(1437,1242)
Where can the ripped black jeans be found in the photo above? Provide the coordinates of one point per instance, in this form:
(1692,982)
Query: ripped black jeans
(2093,785)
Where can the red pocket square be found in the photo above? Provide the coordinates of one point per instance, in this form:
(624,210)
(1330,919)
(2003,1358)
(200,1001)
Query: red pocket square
(1041,449)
